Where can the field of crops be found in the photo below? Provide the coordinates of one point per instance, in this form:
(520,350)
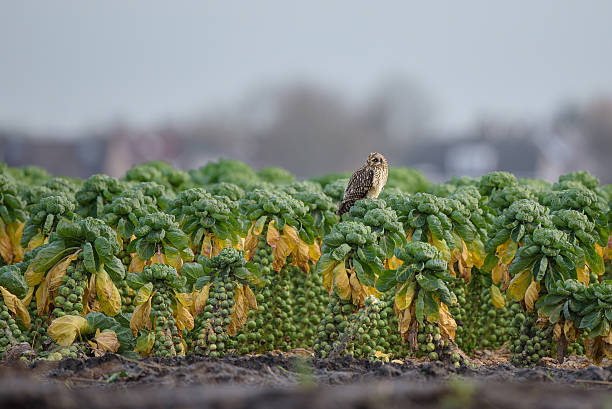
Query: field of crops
(225,261)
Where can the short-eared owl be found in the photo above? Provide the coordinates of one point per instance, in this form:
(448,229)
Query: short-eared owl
(366,181)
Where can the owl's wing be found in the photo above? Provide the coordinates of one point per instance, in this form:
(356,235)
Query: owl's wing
(359,184)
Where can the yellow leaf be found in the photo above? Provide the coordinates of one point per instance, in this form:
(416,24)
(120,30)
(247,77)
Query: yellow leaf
(301,256)
(291,234)
(219,245)
(404,318)
(583,274)
(207,246)
(404,296)
(42,299)
(239,313)
(28,297)
(199,300)
(393,263)
(141,317)
(173,257)
(441,245)
(144,344)
(184,319)
(341,281)
(593,349)
(508,255)
(64,330)
(273,235)
(108,294)
(382,356)
(33,278)
(143,294)
(557,331)
(36,241)
(478,252)
(532,294)
(16,306)
(15,231)
(326,268)
(314,252)
(569,331)
(498,272)
(465,255)
(497,299)
(446,323)
(519,285)
(89,297)
(6,246)
(136,264)
(250,243)
(357,293)
(283,248)
(250,296)
(55,274)
(107,341)
(184,298)
(400,297)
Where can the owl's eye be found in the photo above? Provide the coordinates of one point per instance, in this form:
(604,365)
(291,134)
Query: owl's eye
(375,159)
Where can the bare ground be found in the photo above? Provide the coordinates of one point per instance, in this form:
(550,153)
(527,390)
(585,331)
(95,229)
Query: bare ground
(294,381)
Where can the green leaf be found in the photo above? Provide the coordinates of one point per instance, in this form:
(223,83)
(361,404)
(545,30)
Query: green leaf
(254,276)
(591,320)
(12,279)
(403,273)
(370,254)
(539,268)
(202,281)
(48,256)
(127,341)
(115,269)
(520,263)
(192,271)
(427,283)
(363,275)
(435,227)
(446,296)
(490,262)
(145,250)
(104,249)
(594,260)
(340,252)
(133,245)
(89,261)
(517,233)
(98,320)
(135,281)
(420,306)
(386,281)
(177,238)
(431,309)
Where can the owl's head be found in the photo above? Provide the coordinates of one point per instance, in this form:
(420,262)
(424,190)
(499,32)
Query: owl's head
(375,159)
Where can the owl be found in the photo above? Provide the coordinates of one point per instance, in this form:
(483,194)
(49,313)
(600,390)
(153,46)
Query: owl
(367,181)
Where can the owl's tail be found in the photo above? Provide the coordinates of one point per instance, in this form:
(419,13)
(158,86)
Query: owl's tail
(345,206)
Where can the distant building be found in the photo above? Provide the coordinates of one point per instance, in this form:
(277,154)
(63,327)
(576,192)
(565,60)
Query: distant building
(75,158)
(524,157)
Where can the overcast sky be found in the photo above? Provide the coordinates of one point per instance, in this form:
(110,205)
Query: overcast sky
(65,65)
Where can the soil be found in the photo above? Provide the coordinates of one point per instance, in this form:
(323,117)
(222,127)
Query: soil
(297,380)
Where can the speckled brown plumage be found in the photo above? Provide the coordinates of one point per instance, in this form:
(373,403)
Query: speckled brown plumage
(367,181)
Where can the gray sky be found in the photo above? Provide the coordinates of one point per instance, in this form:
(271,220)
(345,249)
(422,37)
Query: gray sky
(65,65)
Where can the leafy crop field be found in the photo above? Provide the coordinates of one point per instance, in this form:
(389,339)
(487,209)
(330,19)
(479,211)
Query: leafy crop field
(175,271)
